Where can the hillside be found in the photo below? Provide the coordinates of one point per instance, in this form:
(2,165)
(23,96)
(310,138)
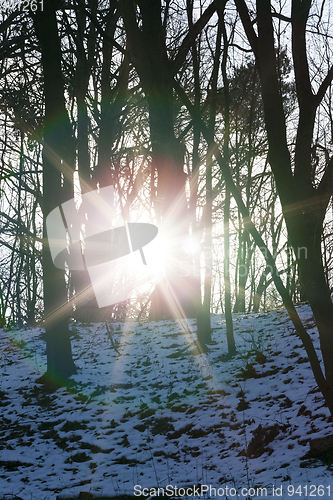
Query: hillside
(157,413)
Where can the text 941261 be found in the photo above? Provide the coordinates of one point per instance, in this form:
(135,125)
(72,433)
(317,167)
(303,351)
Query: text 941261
(21,5)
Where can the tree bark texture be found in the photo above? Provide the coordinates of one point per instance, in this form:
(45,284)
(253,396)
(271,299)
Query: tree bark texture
(58,161)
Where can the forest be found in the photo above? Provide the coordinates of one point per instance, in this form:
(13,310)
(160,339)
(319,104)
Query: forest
(211,120)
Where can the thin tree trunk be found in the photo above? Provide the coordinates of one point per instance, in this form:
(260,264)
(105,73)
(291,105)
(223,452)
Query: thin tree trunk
(226,152)
(195,175)
(227,287)
(110,111)
(80,280)
(242,269)
(204,326)
(260,289)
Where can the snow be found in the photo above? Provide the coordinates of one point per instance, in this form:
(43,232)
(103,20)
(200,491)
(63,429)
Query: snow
(158,413)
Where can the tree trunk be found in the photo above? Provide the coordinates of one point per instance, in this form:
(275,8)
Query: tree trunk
(58,161)
(194,181)
(149,54)
(204,325)
(110,110)
(304,206)
(227,287)
(242,269)
(226,152)
(312,276)
(260,289)
(80,280)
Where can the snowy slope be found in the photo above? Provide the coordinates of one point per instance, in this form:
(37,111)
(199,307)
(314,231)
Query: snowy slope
(157,413)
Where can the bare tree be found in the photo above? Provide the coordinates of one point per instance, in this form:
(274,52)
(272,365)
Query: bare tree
(303,197)
(58,169)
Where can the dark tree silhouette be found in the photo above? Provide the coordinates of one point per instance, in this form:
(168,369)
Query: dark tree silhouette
(58,163)
(304,204)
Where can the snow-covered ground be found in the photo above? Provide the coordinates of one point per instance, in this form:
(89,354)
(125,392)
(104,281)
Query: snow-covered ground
(158,414)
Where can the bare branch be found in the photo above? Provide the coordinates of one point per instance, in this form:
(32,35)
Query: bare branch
(324,86)
(299,16)
(192,34)
(281,17)
(247,23)
(240,48)
(100,29)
